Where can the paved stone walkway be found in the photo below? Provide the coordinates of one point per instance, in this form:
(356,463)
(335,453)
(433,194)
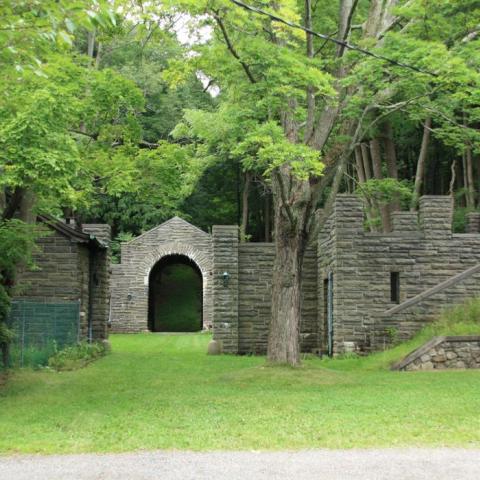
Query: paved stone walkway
(396,464)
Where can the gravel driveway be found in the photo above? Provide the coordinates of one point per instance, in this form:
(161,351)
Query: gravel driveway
(397,464)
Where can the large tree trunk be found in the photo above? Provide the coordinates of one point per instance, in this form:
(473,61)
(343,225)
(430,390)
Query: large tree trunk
(422,158)
(27,207)
(291,203)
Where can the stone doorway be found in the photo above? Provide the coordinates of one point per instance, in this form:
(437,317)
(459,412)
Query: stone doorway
(175,297)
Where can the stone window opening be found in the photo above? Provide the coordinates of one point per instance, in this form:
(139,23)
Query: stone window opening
(395,287)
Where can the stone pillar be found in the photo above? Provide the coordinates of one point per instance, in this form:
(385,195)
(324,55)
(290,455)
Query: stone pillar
(348,215)
(348,290)
(473,222)
(225,290)
(101,231)
(436,215)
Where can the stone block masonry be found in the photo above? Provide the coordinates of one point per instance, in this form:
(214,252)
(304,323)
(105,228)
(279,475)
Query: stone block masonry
(370,274)
(443,352)
(130,279)
(374,272)
(71,265)
(225,287)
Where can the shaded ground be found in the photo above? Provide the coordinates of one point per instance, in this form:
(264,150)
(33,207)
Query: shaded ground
(164,392)
(442,464)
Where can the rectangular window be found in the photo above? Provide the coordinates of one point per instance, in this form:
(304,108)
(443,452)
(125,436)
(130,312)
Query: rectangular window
(395,287)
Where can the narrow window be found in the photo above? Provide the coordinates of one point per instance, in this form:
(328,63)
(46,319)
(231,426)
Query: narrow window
(395,287)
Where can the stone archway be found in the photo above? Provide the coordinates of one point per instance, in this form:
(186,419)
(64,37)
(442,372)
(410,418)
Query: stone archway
(201,259)
(130,278)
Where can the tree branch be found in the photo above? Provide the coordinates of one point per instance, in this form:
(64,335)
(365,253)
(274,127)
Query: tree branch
(231,48)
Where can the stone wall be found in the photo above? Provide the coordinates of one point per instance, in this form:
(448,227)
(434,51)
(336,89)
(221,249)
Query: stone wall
(56,276)
(130,279)
(421,252)
(254,298)
(100,276)
(421,249)
(62,274)
(442,353)
(225,290)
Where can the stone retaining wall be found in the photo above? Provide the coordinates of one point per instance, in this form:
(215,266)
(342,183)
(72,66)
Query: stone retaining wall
(442,353)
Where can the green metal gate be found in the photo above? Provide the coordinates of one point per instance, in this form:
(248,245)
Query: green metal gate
(41,329)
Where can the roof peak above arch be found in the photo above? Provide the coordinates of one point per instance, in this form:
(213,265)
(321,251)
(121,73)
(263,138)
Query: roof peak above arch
(174,223)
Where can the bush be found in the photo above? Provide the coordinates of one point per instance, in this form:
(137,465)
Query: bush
(34,356)
(78,356)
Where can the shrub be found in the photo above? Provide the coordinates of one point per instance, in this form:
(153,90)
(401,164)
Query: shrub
(77,356)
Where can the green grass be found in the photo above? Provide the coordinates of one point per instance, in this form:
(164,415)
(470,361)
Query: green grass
(163,391)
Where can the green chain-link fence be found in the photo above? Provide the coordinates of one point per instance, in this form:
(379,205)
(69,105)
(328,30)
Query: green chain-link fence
(41,329)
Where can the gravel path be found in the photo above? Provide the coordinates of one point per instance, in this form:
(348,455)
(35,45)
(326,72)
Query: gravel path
(397,464)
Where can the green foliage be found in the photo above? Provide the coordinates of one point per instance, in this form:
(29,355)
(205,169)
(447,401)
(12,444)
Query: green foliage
(77,356)
(160,180)
(459,220)
(33,356)
(6,334)
(31,29)
(115,245)
(303,161)
(386,190)
(17,242)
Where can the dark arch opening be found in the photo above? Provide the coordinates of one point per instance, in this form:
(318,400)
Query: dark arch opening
(175,295)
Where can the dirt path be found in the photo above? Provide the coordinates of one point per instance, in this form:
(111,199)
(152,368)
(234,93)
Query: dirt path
(398,464)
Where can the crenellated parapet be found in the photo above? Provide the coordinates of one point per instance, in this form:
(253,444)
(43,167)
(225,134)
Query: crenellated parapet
(374,272)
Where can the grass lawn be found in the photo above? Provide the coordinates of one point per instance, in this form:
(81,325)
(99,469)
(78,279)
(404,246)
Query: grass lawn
(163,391)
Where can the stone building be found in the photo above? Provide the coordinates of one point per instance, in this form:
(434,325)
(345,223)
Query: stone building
(71,265)
(360,289)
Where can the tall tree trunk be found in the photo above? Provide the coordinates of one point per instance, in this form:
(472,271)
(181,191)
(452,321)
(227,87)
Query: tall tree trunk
(366,161)
(291,205)
(245,194)
(90,43)
(267,220)
(453,178)
(469,178)
(391,158)
(27,207)
(361,180)
(3,201)
(377,171)
(422,158)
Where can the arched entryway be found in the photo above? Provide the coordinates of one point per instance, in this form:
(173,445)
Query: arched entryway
(175,295)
